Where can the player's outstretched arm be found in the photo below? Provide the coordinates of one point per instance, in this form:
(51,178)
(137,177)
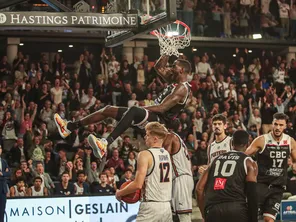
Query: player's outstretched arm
(200,187)
(251,180)
(170,101)
(256,146)
(293,150)
(142,167)
(162,70)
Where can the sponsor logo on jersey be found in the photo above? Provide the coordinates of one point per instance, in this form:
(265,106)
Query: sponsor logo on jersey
(220,183)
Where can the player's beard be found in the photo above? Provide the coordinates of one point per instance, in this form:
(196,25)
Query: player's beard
(217,132)
(277,134)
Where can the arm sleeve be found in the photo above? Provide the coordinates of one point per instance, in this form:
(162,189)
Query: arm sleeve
(252,201)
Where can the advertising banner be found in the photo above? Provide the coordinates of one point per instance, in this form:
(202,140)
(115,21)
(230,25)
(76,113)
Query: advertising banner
(288,210)
(70,209)
(69,19)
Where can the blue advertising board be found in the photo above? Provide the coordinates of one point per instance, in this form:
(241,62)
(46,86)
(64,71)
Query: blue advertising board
(288,210)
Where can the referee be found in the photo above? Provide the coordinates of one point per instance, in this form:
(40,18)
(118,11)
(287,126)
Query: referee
(4,173)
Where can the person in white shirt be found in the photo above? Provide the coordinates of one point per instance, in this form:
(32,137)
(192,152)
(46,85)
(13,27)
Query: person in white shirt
(133,101)
(230,93)
(265,6)
(88,100)
(37,189)
(255,68)
(220,87)
(57,92)
(113,67)
(284,10)
(19,190)
(204,68)
(279,76)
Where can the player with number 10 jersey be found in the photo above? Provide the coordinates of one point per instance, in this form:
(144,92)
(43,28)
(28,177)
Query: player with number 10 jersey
(227,190)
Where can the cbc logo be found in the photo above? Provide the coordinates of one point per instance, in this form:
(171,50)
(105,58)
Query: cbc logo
(2,18)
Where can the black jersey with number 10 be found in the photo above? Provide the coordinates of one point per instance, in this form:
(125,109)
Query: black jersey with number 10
(227,179)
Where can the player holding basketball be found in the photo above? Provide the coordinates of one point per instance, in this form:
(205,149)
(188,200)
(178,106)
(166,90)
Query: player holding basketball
(168,105)
(226,192)
(154,177)
(273,150)
(222,143)
(182,177)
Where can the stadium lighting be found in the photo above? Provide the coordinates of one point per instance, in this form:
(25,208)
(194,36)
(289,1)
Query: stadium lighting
(60,50)
(194,49)
(21,44)
(234,55)
(173,33)
(250,51)
(70,46)
(257,36)
(181,53)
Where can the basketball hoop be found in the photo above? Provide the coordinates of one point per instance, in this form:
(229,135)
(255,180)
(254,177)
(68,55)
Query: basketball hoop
(172,38)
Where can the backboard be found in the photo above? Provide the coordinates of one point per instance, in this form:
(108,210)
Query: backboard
(152,14)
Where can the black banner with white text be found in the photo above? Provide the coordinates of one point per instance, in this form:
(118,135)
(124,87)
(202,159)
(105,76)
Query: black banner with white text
(69,19)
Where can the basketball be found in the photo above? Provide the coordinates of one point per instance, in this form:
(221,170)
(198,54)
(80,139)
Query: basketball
(132,197)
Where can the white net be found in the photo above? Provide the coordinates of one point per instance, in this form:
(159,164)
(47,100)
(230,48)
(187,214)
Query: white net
(172,38)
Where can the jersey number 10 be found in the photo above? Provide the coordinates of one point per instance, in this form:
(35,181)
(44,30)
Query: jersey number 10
(164,172)
(227,168)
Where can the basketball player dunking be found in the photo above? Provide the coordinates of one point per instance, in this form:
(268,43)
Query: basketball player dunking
(273,150)
(182,177)
(154,177)
(226,192)
(168,105)
(222,143)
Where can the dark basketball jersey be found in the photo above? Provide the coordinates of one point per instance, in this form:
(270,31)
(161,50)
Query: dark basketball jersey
(173,112)
(273,160)
(227,179)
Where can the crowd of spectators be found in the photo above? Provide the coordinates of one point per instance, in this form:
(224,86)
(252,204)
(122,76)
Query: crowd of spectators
(248,92)
(273,19)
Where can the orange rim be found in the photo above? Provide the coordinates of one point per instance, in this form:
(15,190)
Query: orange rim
(157,33)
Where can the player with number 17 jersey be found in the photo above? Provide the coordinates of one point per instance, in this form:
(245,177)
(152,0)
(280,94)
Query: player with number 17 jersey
(272,151)
(272,160)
